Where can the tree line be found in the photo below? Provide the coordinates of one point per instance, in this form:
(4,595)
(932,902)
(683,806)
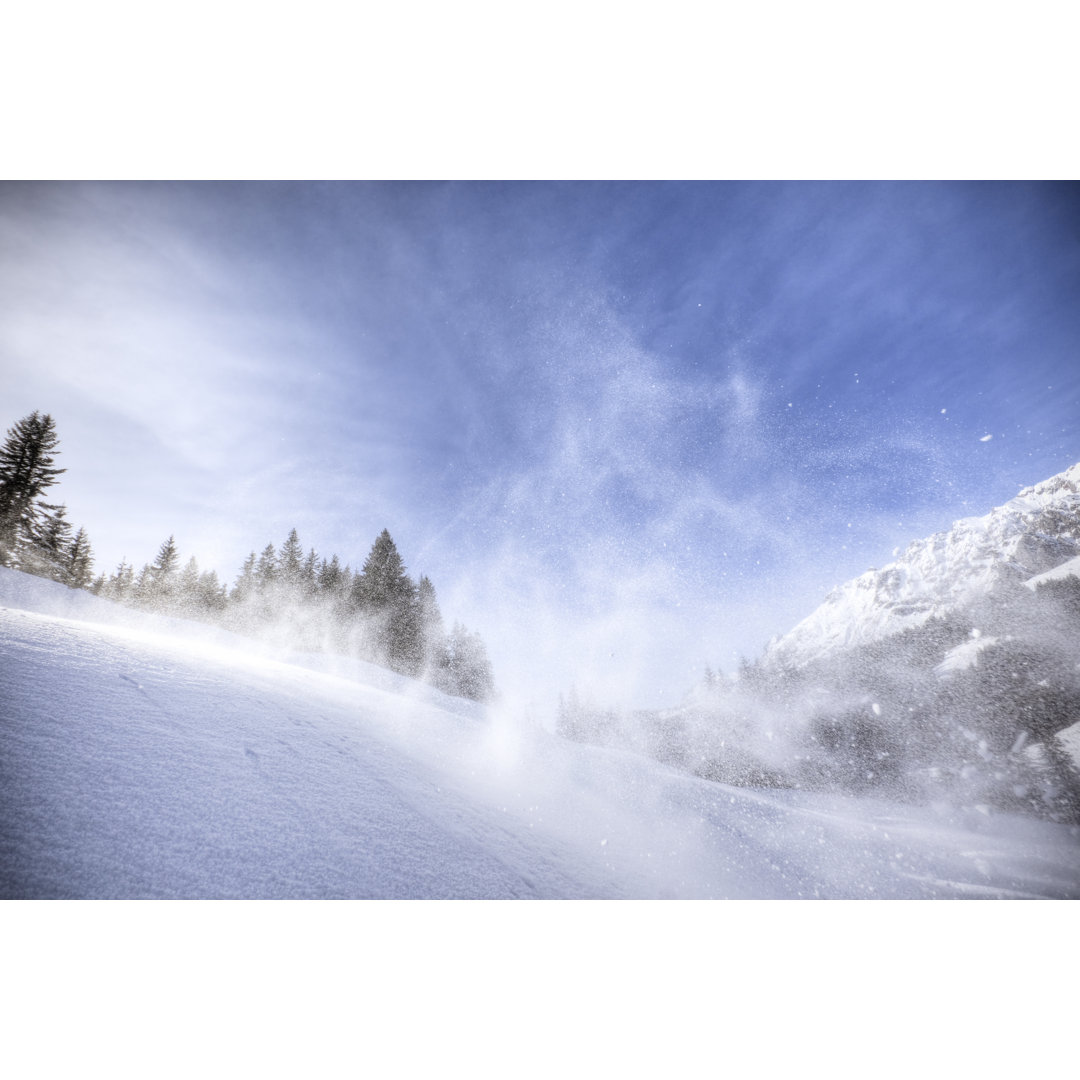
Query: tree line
(296,598)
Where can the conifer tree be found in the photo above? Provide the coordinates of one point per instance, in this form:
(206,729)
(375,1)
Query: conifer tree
(331,579)
(307,575)
(27,470)
(468,670)
(80,562)
(383,581)
(44,550)
(187,588)
(142,590)
(432,630)
(266,569)
(211,593)
(385,597)
(245,582)
(161,588)
(120,584)
(291,565)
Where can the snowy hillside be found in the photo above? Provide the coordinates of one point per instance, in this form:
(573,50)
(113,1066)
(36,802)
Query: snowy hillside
(1030,535)
(145,757)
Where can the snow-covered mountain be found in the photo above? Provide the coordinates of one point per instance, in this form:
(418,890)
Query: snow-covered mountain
(142,756)
(1030,535)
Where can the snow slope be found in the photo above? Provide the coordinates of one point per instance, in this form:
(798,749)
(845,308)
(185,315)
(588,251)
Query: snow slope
(148,757)
(1071,568)
(1029,535)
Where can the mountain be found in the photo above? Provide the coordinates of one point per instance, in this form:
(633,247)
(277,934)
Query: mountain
(951,676)
(145,756)
(1030,535)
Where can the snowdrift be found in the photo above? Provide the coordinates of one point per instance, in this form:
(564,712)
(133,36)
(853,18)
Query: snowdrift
(148,757)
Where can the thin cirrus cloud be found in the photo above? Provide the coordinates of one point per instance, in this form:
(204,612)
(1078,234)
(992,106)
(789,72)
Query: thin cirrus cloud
(625,428)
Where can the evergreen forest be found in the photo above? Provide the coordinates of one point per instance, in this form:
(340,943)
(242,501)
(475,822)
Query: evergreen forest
(296,598)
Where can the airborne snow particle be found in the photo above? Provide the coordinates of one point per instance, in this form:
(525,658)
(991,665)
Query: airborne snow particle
(986,438)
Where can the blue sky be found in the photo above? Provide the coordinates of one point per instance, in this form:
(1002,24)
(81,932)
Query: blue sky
(628,429)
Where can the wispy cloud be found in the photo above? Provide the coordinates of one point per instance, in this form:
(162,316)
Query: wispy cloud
(624,427)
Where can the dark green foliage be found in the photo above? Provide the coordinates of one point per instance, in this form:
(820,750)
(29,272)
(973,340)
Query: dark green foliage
(78,570)
(291,565)
(301,601)
(44,550)
(309,587)
(331,580)
(27,470)
(121,584)
(386,599)
(383,581)
(431,629)
(161,589)
(266,570)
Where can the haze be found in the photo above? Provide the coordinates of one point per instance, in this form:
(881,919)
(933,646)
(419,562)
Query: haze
(627,429)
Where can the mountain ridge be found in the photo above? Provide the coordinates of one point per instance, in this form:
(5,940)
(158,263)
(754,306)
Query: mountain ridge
(1030,535)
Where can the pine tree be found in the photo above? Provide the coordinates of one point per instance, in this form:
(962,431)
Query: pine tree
(330,578)
(44,550)
(383,580)
(245,582)
(432,629)
(161,588)
(142,589)
(187,588)
(385,597)
(307,575)
(211,593)
(27,470)
(121,584)
(266,569)
(80,562)
(468,670)
(291,566)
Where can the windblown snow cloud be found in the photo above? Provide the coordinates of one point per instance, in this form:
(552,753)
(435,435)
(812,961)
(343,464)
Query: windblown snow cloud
(624,427)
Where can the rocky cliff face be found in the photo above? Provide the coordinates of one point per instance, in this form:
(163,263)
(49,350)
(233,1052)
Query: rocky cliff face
(1027,536)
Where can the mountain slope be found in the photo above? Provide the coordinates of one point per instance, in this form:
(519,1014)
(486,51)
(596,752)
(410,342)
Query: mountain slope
(1029,535)
(145,757)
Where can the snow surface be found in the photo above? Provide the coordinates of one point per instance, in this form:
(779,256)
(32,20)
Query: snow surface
(1035,532)
(1071,568)
(965,655)
(149,757)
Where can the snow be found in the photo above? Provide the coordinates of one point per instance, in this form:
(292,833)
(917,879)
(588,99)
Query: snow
(1071,568)
(148,757)
(1032,533)
(965,655)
